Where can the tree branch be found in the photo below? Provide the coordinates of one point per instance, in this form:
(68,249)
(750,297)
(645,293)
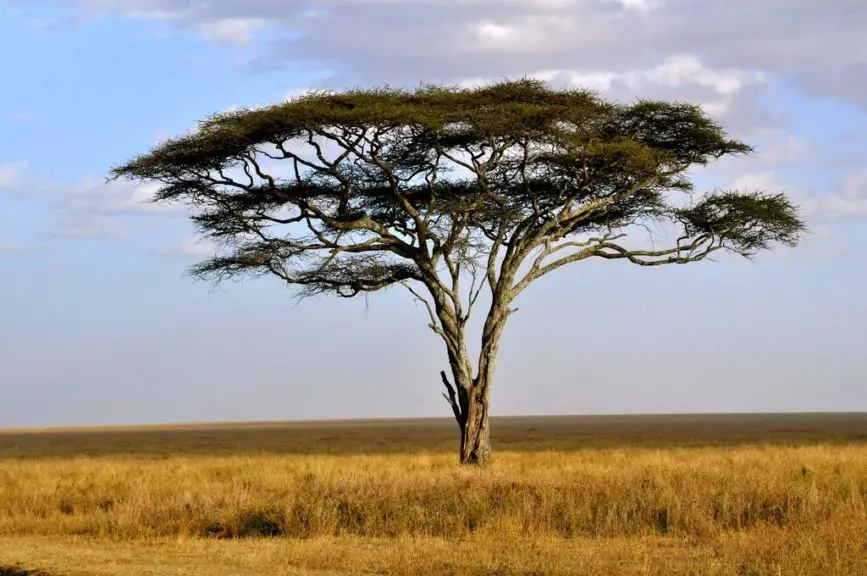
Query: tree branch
(451,397)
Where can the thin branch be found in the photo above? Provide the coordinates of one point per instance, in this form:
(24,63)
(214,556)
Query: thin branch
(434,324)
(476,287)
(451,397)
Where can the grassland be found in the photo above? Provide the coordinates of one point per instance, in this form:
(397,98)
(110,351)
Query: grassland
(728,495)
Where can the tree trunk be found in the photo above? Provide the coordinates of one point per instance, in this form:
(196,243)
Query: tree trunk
(469,396)
(475,431)
(469,401)
(473,418)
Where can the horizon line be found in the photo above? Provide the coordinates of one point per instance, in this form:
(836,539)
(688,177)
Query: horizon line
(145,426)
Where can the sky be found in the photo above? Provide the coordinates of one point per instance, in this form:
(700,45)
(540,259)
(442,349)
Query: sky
(99,323)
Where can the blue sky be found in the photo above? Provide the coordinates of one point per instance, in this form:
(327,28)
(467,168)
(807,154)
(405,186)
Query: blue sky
(99,325)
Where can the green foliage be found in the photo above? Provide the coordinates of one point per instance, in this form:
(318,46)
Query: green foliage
(750,222)
(368,188)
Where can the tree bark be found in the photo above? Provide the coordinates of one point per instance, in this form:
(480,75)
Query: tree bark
(468,395)
(469,402)
(473,420)
(475,430)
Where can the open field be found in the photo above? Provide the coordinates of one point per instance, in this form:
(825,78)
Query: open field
(729,495)
(436,435)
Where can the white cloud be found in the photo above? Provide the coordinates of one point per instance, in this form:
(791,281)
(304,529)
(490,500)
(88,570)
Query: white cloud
(450,39)
(296,93)
(723,54)
(847,200)
(190,248)
(12,175)
(851,201)
(818,45)
(820,241)
(493,31)
(85,225)
(727,56)
(146,13)
(836,206)
(599,81)
(679,70)
(765,180)
(90,207)
(679,76)
(767,172)
(640,5)
(789,150)
(232,31)
(95,196)
(855,185)
(762,172)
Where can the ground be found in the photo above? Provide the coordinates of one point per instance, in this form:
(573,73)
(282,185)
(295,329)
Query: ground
(726,495)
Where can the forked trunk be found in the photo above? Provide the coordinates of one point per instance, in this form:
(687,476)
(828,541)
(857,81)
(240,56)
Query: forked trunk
(469,401)
(475,431)
(469,396)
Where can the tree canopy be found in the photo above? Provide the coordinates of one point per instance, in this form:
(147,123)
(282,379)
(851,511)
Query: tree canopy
(497,186)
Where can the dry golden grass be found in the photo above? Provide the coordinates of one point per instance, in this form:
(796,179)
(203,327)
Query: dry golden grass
(835,550)
(664,495)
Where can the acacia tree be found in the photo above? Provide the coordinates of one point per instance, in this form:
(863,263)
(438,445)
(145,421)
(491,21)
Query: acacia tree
(449,191)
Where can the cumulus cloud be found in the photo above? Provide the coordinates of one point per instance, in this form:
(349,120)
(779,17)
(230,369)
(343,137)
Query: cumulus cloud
(95,196)
(640,5)
(191,248)
(786,151)
(819,46)
(423,39)
(852,199)
(733,96)
(723,53)
(232,31)
(845,197)
(88,208)
(727,56)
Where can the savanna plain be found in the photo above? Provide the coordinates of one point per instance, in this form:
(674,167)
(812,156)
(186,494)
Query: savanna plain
(653,495)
